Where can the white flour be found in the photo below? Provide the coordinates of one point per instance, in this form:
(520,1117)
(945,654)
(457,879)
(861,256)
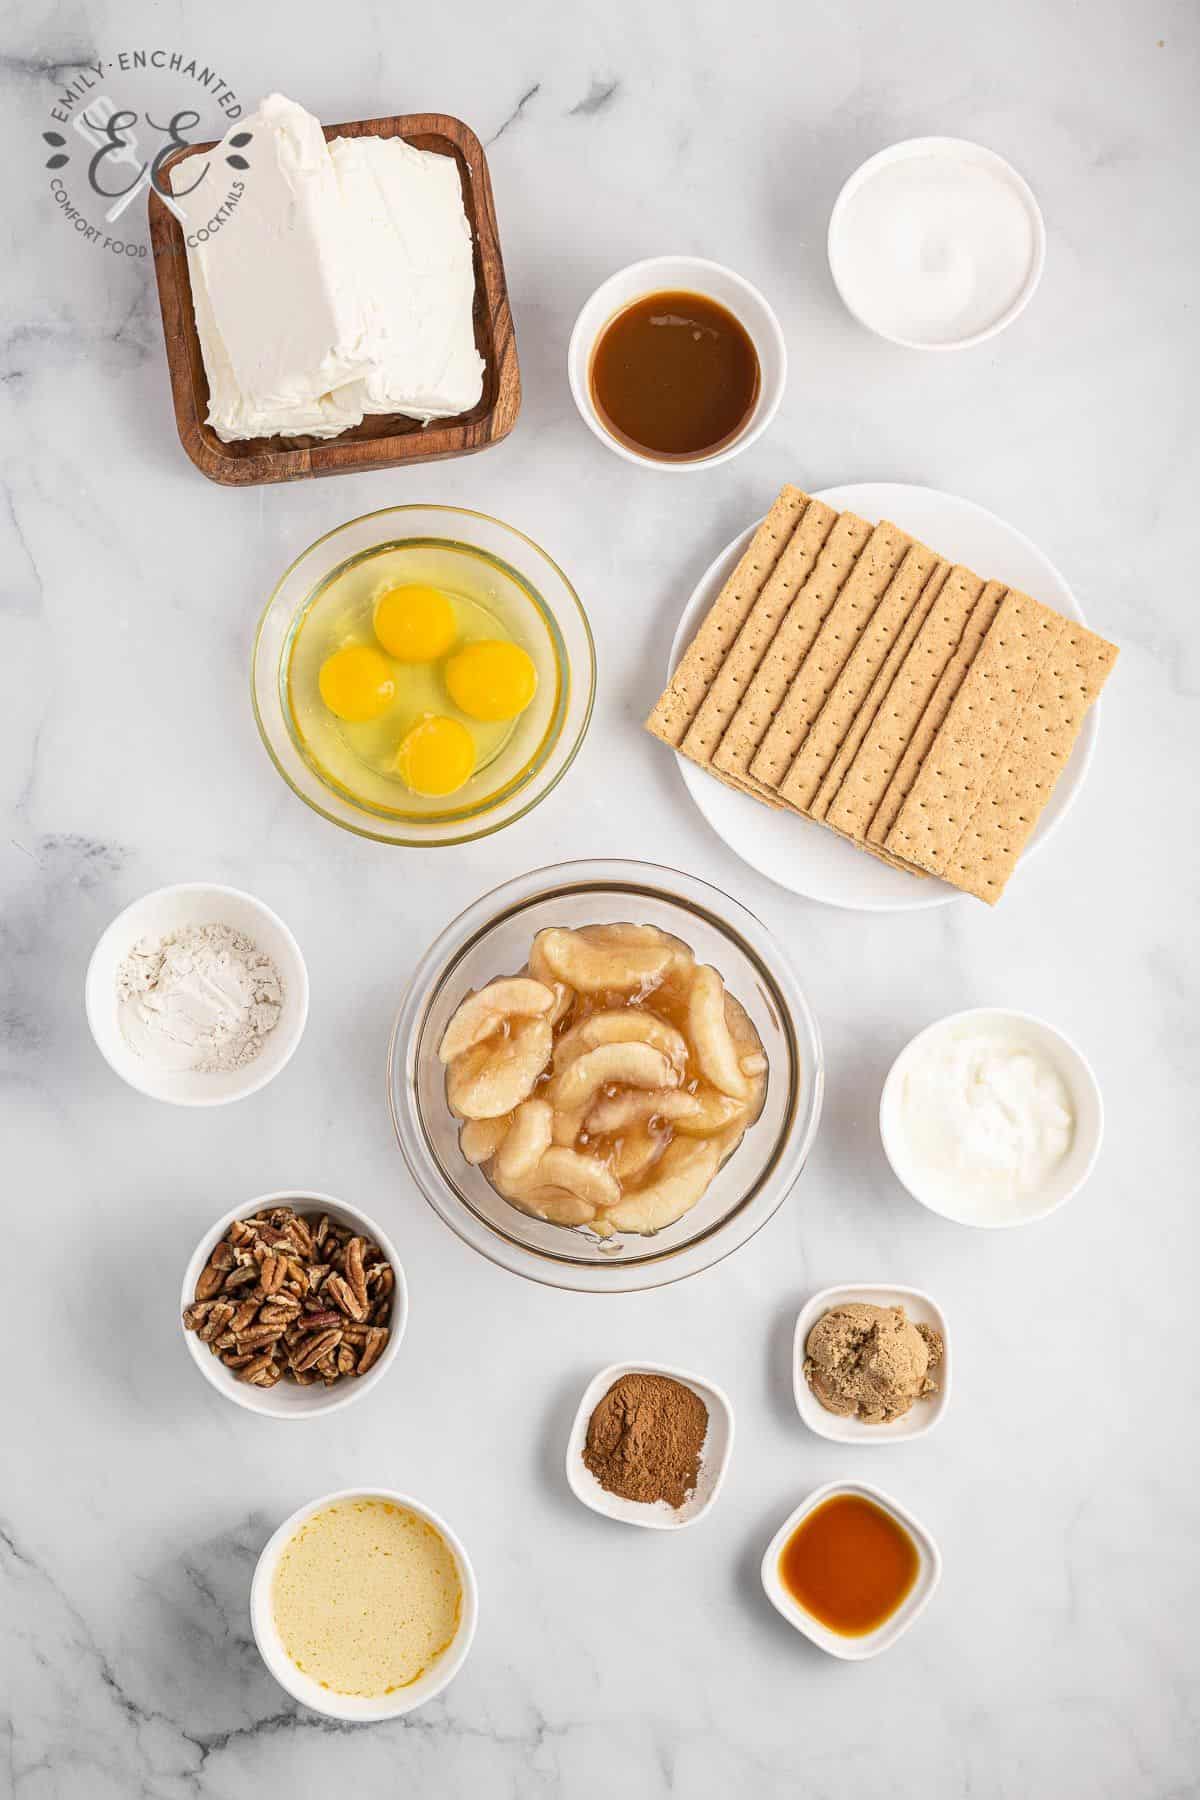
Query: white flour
(203,998)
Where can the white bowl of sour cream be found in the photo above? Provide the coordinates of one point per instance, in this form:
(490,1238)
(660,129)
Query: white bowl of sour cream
(991,1118)
(936,244)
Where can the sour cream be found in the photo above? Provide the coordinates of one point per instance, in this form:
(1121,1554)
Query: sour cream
(936,243)
(980,1120)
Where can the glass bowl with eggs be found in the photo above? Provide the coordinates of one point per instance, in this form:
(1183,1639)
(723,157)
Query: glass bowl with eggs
(605,1076)
(423,675)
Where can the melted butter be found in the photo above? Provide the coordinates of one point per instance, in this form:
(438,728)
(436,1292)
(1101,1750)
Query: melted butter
(366,1597)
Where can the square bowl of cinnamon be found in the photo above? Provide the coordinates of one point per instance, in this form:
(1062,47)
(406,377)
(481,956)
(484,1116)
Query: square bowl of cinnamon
(650,1445)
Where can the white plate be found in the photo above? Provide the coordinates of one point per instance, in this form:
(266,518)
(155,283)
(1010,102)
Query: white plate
(806,857)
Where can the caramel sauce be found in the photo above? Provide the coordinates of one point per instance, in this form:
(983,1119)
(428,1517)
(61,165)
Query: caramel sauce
(850,1564)
(675,376)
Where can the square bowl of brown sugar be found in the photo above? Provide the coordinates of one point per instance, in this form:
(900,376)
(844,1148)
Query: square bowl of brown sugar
(650,1445)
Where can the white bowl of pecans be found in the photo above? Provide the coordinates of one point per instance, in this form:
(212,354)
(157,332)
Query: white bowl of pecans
(294,1304)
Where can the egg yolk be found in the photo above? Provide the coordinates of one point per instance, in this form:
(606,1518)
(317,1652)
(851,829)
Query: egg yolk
(491,680)
(356,683)
(436,757)
(416,624)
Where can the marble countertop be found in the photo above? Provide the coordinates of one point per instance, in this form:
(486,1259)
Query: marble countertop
(1058,1657)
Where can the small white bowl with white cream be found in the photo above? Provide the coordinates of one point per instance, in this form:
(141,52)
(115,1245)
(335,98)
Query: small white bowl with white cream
(197,994)
(936,244)
(991,1118)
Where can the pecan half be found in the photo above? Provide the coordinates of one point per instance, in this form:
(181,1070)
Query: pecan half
(318,1321)
(344,1297)
(252,1370)
(279,1311)
(272,1273)
(372,1350)
(244,1314)
(312,1351)
(239,1277)
(300,1235)
(215,1323)
(259,1334)
(211,1280)
(356,1275)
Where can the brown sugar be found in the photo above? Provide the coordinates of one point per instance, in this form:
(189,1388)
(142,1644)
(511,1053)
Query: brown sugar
(645,1438)
(871,1362)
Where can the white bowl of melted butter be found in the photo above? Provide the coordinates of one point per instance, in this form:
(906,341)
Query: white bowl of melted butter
(991,1118)
(364,1604)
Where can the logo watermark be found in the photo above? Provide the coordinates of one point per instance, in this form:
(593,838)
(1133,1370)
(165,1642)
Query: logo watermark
(113,151)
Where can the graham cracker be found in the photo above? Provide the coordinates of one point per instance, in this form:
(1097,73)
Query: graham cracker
(865,716)
(791,644)
(793,569)
(986,853)
(853,807)
(843,626)
(933,717)
(975,734)
(747,787)
(680,701)
(845,698)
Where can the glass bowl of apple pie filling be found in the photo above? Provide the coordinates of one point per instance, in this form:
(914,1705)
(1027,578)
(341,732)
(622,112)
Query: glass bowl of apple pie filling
(605,1075)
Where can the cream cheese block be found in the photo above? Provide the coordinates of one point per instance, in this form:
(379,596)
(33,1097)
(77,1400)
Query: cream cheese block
(341,283)
(418,276)
(280,308)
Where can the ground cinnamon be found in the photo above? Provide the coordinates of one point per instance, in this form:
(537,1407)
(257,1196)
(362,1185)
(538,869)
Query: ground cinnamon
(645,1437)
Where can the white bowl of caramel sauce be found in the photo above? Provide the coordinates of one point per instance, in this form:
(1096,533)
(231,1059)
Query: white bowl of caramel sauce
(677,363)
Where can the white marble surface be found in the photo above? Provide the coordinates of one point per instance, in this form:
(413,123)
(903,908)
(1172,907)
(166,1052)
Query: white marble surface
(1059,1656)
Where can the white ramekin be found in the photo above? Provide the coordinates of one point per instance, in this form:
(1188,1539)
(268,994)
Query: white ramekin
(347,1706)
(932,146)
(854,1649)
(922,1415)
(1075,1071)
(287,1399)
(714,1462)
(691,274)
(155,916)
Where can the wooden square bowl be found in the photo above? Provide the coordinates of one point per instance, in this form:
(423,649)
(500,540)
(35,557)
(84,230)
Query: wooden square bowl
(382,441)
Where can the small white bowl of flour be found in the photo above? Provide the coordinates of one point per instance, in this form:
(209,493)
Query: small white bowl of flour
(197,994)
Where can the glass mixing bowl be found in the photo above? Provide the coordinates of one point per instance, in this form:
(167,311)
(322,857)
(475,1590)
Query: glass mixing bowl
(493,938)
(545,614)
